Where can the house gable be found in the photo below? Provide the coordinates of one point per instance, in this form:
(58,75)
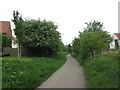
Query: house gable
(5,28)
(117,35)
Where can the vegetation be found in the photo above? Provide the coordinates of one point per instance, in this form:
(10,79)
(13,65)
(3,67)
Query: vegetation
(19,28)
(40,37)
(91,49)
(102,71)
(29,72)
(69,48)
(5,41)
(116,44)
(91,42)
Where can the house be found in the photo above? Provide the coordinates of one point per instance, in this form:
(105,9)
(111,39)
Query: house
(5,28)
(115,44)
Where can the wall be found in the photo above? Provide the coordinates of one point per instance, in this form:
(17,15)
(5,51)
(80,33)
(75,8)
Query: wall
(14,45)
(112,45)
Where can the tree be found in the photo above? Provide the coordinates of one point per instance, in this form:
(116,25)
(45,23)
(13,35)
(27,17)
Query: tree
(92,41)
(69,48)
(90,45)
(19,30)
(96,27)
(93,26)
(76,45)
(41,37)
(5,41)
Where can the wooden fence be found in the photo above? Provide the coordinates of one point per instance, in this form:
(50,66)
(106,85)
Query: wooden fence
(14,51)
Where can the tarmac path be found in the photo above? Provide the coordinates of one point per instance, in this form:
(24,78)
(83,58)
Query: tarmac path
(70,75)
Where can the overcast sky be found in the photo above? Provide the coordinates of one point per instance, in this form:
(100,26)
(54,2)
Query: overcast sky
(69,15)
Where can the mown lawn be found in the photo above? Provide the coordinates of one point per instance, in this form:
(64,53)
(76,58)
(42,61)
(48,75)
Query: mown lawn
(102,71)
(29,72)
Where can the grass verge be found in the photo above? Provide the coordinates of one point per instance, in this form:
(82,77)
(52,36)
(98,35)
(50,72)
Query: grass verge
(29,72)
(102,71)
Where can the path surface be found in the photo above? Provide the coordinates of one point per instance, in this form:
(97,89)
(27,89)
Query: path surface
(70,75)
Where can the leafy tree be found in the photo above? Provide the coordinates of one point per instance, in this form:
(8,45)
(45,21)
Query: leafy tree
(41,37)
(69,48)
(90,45)
(93,26)
(76,45)
(19,30)
(92,41)
(5,41)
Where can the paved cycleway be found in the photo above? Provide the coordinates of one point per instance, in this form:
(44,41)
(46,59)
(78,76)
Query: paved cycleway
(70,75)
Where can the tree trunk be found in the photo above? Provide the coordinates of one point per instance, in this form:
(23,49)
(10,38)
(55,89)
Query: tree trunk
(19,51)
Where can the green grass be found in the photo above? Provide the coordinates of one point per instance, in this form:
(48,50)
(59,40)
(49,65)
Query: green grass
(102,71)
(29,72)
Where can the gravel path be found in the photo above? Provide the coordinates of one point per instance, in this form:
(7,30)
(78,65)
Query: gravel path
(70,75)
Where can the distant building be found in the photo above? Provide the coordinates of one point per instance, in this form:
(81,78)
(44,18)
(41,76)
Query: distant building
(115,44)
(5,28)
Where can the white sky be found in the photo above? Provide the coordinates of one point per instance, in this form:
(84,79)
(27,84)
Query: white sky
(69,15)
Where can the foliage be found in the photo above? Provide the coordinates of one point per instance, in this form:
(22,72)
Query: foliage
(90,45)
(116,44)
(76,45)
(102,71)
(41,36)
(29,72)
(92,41)
(19,29)
(5,40)
(19,26)
(69,48)
(93,26)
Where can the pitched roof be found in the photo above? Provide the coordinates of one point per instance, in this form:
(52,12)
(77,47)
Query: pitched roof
(5,28)
(117,35)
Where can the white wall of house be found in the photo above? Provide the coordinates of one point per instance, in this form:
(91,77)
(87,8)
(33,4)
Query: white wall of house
(112,44)
(14,45)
